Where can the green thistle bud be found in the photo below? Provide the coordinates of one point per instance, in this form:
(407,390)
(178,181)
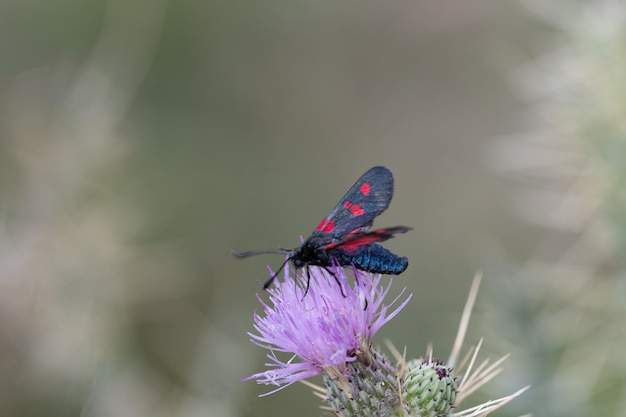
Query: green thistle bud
(369,388)
(429,388)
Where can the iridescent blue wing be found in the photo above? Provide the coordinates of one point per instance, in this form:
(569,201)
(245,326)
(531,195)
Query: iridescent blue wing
(355,212)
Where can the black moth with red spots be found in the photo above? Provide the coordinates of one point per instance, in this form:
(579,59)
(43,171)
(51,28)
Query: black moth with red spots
(343,236)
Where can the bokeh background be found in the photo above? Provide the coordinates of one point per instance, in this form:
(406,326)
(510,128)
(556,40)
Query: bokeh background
(141,140)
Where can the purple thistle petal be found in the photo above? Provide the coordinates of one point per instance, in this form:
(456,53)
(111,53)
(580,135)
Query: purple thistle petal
(322,327)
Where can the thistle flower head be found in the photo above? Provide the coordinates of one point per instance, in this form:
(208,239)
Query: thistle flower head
(322,321)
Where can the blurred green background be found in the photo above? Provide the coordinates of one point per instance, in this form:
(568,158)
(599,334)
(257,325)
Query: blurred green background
(142,140)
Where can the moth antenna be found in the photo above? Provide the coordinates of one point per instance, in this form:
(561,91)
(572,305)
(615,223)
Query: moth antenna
(269,281)
(245,253)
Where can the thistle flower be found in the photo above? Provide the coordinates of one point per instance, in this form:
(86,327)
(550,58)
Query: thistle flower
(326,324)
(323,321)
(419,387)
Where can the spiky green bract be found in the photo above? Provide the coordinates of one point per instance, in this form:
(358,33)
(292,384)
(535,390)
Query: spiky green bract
(369,388)
(429,388)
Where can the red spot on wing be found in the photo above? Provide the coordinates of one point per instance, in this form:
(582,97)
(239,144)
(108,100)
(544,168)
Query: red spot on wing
(347,204)
(365,188)
(363,240)
(329,227)
(325,226)
(356,210)
(354,244)
(350,247)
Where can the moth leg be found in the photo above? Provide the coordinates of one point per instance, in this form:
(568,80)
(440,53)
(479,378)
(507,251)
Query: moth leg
(356,280)
(269,281)
(336,279)
(308,281)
